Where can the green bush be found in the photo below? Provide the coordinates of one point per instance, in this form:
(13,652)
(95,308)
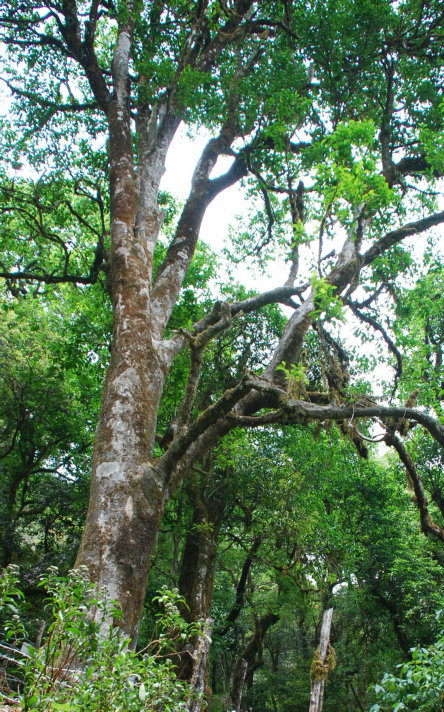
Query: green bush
(420,684)
(84,663)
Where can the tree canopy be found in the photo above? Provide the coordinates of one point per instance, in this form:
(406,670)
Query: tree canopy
(328,118)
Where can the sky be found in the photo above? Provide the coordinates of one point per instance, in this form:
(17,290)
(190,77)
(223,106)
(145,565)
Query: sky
(222,212)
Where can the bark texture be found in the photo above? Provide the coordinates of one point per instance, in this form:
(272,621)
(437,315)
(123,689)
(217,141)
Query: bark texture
(196,580)
(320,665)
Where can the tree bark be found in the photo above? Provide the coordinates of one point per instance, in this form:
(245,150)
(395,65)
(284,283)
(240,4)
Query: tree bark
(238,685)
(320,664)
(198,683)
(251,658)
(196,579)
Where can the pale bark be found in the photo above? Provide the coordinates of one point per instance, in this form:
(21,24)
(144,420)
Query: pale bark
(196,699)
(318,678)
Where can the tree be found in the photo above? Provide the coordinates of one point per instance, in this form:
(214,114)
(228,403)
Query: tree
(312,525)
(341,98)
(46,396)
(420,682)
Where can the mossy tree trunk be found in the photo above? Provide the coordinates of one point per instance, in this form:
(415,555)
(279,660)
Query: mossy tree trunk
(321,664)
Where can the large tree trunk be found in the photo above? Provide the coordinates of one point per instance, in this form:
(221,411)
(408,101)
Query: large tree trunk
(127,496)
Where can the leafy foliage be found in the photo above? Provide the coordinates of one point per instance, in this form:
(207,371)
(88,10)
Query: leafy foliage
(84,662)
(419,684)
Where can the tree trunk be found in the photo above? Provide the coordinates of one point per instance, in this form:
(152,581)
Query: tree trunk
(198,681)
(127,497)
(196,583)
(320,665)
(251,658)
(238,685)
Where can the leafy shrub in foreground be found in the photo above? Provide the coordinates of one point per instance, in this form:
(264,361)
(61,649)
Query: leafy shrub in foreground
(84,663)
(420,684)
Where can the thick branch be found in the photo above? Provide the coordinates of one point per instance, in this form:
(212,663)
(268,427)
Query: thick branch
(240,589)
(50,278)
(229,33)
(298,411)
(428,526)
(415,165)
(171,273)
(83,52)
(120,63)
(252,654)
(186,406)
(212,415)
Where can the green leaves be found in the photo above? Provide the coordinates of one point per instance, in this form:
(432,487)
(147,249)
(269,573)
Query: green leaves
(348,174)
(82,631)
(295,372)
(419,684)
(433,142)
(325,299)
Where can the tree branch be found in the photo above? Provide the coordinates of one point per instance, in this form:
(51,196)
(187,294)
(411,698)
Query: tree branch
(298,411)
(428,526)
(203,422)
(241,585)
(171,273)
(83,52)
(370,320)
(37,99)
(211,325)
(395,236)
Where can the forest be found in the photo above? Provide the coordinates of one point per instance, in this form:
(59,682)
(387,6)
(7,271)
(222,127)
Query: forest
(221,457)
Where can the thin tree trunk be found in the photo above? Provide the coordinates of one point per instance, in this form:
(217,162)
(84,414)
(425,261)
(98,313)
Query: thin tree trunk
(319,668)
(238,685)
(197,684)
(252,655)
(356,696)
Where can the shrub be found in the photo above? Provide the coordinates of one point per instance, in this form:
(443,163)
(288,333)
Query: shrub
(420,684)
(84,663)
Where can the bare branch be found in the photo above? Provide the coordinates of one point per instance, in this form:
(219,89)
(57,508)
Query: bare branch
(298,411)
(191,388)
(370,320)
(41,101)
(211,325)
(241,585)
(395,236)
(203,422)
(171,273)
(83,52)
